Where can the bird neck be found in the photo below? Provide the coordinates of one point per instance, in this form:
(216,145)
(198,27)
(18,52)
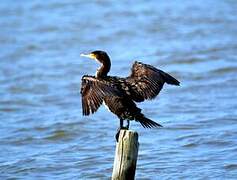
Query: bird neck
(103,69)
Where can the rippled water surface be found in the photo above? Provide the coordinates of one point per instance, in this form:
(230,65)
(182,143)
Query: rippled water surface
(43,134)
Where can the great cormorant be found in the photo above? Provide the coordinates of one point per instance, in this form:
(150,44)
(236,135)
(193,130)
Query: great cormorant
(120,94)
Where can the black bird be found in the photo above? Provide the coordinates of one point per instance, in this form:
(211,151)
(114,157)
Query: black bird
(120,94)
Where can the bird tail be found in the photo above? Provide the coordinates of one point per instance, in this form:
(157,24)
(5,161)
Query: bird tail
(169,79)
(145,122)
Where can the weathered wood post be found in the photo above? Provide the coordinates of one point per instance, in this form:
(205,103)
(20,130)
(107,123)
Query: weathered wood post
(125,160)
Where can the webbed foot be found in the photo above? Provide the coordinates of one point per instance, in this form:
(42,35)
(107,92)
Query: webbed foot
(118,132)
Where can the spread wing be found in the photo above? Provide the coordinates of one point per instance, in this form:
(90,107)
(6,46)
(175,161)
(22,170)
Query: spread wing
(93,92)
(147,81)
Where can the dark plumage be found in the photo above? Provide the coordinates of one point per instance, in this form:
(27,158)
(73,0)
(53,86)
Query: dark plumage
(119,94)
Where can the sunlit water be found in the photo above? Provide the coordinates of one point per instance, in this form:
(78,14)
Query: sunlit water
(43,134)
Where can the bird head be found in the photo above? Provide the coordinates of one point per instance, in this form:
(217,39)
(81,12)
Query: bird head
(100,56)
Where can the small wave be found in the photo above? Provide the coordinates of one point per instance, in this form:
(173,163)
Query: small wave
(187,137)
(22,141)
(189,145)
(58,134)
(230,166)
(183,127)
(7,110)
(190,60)
(217,143)
(224,70)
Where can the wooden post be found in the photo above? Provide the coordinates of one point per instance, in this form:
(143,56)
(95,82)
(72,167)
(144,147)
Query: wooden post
(125,160)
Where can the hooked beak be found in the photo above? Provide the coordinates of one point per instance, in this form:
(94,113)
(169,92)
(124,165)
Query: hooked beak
(91,56)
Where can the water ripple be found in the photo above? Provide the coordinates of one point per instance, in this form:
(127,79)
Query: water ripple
(44,136)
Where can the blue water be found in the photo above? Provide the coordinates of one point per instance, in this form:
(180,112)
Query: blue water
(43,134)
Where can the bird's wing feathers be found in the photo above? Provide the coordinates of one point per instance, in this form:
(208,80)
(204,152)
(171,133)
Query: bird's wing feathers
(93,92)
(146,81)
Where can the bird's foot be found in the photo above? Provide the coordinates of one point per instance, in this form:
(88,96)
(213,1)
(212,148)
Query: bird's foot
(127,127)
(118,132)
